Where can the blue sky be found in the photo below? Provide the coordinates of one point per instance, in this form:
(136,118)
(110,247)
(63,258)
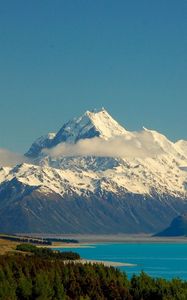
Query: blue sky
(59,58)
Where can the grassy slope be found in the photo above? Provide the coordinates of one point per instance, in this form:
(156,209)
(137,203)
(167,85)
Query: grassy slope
(7,246)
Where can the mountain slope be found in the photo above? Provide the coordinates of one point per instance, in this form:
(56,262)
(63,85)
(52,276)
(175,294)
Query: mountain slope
(178,227)
(89,125)
(137,182)
(39,144)
(26,208)
(181,146)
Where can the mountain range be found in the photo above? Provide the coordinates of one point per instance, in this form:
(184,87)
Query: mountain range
(95,176)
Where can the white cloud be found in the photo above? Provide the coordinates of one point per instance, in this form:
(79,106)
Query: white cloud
(8,158)
(134,145)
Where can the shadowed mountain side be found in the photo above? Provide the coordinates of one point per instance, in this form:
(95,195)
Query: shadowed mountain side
(178,227)
(34,211)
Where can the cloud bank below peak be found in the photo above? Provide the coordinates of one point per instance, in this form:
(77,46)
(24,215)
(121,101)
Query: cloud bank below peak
(131,146)
(10,159)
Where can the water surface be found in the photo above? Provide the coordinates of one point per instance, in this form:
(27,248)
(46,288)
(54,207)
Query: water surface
(157,259)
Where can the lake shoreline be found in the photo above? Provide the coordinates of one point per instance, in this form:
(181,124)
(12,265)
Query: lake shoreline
(88,240)
(103,262)
(165,260)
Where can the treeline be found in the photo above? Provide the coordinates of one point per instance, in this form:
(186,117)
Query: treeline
(48,253)
(68,241)
(23,239)
(32,277)
(34,240)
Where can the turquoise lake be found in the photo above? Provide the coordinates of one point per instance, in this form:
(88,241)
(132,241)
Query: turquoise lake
(158,260)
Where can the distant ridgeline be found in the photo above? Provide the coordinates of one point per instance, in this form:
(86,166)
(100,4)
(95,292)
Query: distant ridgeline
(33,240)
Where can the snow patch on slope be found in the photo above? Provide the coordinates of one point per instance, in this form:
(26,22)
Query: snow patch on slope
(89,125)
(94,154)
(84,175)
(181,146)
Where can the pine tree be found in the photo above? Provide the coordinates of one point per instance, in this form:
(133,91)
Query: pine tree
(42,287)
(58,287)
(24,288)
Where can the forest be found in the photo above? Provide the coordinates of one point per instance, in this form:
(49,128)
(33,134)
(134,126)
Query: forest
(47,253)
(27,277)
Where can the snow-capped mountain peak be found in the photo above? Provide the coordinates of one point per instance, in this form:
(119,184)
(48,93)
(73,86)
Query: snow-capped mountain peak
(159,165)
(129,181)
(90,124)
(105,124)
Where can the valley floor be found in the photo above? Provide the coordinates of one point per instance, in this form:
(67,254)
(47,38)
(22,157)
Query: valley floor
(86,239)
